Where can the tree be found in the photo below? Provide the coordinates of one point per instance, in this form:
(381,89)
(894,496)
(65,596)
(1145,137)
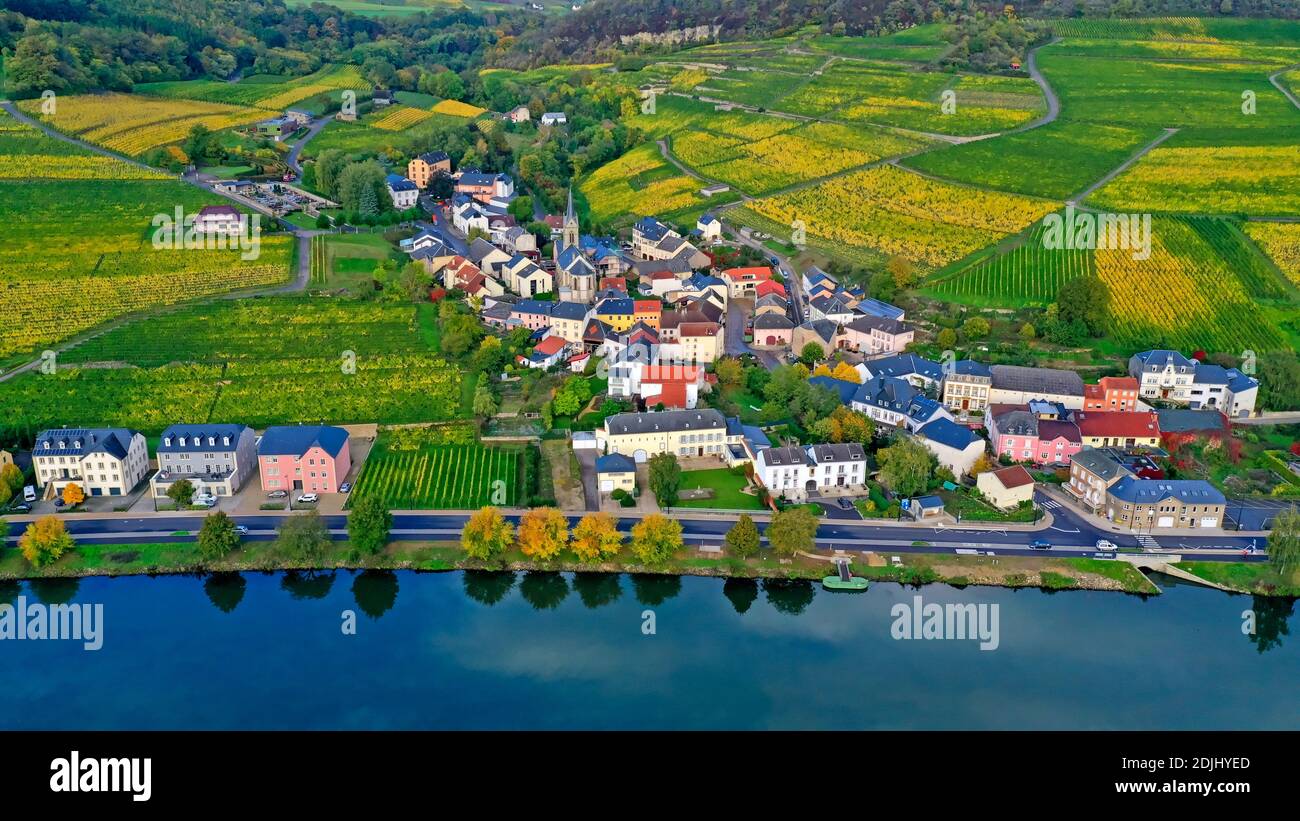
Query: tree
(369,524)
(982,464)
(947,339)
(977,327)
(811,353)
(665,478)
(902,271)
(217,536)
(304,537)
(1027,332)
(329,164)
(44,541)
(596,537)
(73,495)
(181,492)
(5,494)
(485,403)
(487,535)
(1083,298)
(12,476)
(1279,382)
(656,538)
(729,371)
(742,539)
(543,533)
(792,530)
(906,467)
(1284,542)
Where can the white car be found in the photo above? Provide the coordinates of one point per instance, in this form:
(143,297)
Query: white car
(309,498)
(1103,544)
(206,501)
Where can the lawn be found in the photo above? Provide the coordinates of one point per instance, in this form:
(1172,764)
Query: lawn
(727,487)
(1253,577)
(344,260)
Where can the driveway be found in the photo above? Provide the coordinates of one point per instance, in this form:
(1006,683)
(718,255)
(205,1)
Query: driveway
(590,487)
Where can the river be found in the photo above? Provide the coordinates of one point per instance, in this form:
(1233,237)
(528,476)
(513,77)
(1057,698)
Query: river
(555,651)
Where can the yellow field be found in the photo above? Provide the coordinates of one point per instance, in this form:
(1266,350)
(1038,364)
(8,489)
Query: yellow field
(893,211)
(290,96)
(457,109)
(1261,180)
(1281,241)
(55,167)
(399,118)
(133,123)
(611,193)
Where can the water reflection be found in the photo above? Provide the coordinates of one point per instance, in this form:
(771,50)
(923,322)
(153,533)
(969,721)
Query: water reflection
(309,584)
(652,589)
(597,589)
(544,590)
(742,593)
(9,591)
(375,592)
(1271,617)
(225,590)
(487,586)
(790,596)
(54,591)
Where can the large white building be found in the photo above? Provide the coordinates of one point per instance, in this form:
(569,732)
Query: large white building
(1170,376)
(102,461)
(402,191)
(796,471)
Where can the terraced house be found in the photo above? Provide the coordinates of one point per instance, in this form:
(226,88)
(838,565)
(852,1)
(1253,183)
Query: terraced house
(216,459)
(102,461)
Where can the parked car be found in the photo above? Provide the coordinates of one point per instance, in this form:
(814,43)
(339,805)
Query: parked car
(346,487)
(1105,544)
(1039,544)
(309,498)
(845,504)
(29,494)
(21,507)
(277,494)
(205,499)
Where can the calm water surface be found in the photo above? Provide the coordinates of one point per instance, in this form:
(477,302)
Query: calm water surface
(538,650)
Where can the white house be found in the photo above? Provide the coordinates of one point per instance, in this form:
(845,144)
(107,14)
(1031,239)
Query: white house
(218,219)
(554,118)
(403,192)
(955,446)
(709,226)
(796,471)
(1170,376)
(102,461)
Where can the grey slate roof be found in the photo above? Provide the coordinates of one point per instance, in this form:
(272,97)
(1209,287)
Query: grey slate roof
(663,421)
(1150,491)
(1099,464)
(1037,380)
(116,442)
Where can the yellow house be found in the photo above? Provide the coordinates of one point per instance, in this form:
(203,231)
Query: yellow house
(684,433)
(621,313)
(616,472)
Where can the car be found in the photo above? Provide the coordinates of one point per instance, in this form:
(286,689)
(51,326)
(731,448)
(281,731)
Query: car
(29,494)
(1039,544)
(346,487)
(845,504)
(1105,544)
(309,498)
(58,501)
(241,530)
(21,507)
(277,494)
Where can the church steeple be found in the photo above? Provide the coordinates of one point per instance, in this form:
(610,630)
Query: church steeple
(569,236)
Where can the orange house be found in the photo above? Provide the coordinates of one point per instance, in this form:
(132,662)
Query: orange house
(1111,393)
(648,311)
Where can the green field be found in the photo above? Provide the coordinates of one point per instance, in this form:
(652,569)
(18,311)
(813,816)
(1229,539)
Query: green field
(726,486)
(78,248)
(263,91)
(441,476)
(259,362)
(344,260)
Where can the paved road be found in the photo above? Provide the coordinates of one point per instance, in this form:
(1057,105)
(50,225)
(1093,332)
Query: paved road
(841,535)
(296,150)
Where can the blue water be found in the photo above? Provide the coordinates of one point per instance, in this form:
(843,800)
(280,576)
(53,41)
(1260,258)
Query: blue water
(454,650)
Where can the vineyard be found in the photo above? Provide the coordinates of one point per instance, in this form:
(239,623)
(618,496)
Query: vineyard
(262,91)
(640,183)
(27,153)
(1027,275)
(455,477)
(456,108)
(894,212)
(263,362)
(132,124)
(1281,241)
(398,118)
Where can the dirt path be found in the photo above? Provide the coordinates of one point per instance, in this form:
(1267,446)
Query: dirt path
(1121,168)
(1272,78)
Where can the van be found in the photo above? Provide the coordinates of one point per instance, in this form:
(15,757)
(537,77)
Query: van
(29,494)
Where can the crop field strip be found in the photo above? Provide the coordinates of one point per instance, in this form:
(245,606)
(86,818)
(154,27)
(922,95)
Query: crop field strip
(271,361)
(441,476)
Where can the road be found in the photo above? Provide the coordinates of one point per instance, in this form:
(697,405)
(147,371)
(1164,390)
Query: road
(1120,169)
(838,535)
(296,150)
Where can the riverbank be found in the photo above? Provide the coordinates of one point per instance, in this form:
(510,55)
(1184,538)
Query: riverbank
(914,568)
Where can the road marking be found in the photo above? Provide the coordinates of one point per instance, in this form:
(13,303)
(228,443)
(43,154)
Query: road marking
(1063,530)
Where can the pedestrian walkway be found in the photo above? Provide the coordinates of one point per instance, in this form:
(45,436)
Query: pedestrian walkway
(1148,542)
(1051,504)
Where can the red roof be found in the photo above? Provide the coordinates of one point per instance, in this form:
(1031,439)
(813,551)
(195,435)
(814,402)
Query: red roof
(647,306)
(673,395)
(770,286)
(663,275)
(1110,383)
(551,345)
(1136,424)
(1015,476)
(697,329)
(617,283)
(757,272)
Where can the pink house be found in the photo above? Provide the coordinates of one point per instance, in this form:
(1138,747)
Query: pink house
(1023,437)
(310,458)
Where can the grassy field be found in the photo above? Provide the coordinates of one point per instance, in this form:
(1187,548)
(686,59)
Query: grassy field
(259,362)
(78,251)
(726,487)
(344,260)
(441,476)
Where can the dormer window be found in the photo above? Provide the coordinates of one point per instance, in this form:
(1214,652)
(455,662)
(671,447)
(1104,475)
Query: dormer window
(182,441)
(167,441)
(225,440)
(212,440)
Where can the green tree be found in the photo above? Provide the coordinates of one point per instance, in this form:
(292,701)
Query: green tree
(304,537)
(1027,332)
(12,476)
(665,478)
(903,272)
(906,467)
(1279,382)
(742,540)
(811,354)
(947,339)
(181,492)
(729,371)
(329,164)
(656,538)
(1084,298)
(792,530)
(369,524)
(217,536)
(485,403)
(977,327)
(1284,542)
